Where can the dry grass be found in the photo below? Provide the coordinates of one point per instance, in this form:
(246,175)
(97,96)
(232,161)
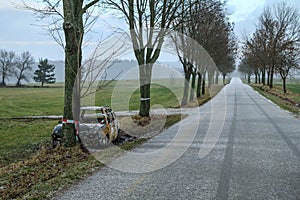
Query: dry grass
(289,101)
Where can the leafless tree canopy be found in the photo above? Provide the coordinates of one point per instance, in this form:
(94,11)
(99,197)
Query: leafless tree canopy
(23,69)
(274,47)
(148,23)
(7,64)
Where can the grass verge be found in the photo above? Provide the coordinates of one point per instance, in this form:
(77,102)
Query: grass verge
(289,101)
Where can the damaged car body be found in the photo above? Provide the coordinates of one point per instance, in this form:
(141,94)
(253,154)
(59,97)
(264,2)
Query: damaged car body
(97,127)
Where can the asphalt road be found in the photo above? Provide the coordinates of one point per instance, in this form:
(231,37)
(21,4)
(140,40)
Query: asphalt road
(238,146)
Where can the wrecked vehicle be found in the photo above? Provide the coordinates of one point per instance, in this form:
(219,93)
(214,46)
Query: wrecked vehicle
(97,127)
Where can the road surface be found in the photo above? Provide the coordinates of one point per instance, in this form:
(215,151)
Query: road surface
(242,147)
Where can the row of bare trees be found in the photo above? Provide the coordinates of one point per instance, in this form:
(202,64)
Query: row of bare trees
(206,45)
(149,22)
(17,66)
(274,47)
(20,67)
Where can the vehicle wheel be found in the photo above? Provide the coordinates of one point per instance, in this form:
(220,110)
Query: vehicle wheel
(104,141)
(54,143)
(118,138)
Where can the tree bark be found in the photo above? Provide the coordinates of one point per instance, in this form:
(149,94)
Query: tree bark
(199,85)
(73,29)
(263,76)
(284,85)
(256,78)
(193,84)
(217,78)
(145,89)
(268,74)
(3,78)
(187,75)
(271,76)
(203,85)
(224,79)
(249,78)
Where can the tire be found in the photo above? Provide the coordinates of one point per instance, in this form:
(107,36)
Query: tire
(54,143)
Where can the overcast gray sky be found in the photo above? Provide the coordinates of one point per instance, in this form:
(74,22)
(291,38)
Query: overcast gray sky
(19,34)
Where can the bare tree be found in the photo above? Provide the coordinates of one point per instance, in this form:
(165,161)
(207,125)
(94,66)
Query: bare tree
(7,63)
(205,23)
(23,69)
(281,26)
(287,61)
(274,47)
(74,18)
(148,22)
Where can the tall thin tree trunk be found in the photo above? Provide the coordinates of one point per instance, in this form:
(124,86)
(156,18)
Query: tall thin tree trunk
(256,79)
(249,78)
(3,79)
(271,77)
(210,78)
(187,76)
(199,85)
(203,85)
(145,89)
(268,78)
(263,76)
(73,29)
(224,79)
(217,78)
(284,85)
(192,92)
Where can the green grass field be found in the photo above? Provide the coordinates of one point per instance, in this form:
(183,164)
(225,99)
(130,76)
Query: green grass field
(21,138)
(18,102)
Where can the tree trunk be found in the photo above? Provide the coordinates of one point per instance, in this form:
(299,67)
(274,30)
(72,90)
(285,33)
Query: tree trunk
(263,76)
(192,92)
(224,79)
(18,82)
(203,85)
(268,76)
(210,78)
(199,85)
(73,29)
(217,78)
(145,89)
(249,78)
(68,129)
(3,79)
(187,75)
(271,77)
(256,79)
(284,85)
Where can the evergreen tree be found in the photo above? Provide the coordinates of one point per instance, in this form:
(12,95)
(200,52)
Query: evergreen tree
(45,72)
